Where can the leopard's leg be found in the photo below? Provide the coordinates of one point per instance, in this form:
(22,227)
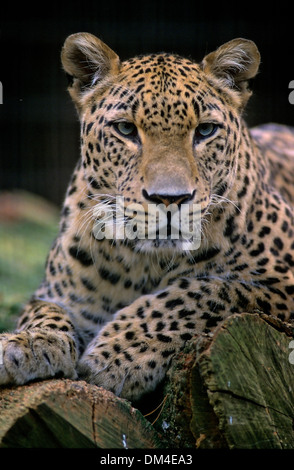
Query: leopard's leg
(43,345)
(131,354)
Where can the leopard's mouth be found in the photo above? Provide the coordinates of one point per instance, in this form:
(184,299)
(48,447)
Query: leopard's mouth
(166,246)
(156,228)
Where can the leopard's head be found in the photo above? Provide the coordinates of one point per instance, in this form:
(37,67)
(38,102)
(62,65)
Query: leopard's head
(159,132)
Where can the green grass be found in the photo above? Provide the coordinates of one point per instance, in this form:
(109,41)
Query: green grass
(24,246)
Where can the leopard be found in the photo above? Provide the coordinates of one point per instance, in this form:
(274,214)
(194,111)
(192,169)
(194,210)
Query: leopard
(157,131)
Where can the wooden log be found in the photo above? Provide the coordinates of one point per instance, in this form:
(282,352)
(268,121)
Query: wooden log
(71,414)
(235,390)
(230,390)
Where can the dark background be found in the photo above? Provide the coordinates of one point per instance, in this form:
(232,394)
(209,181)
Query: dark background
(39,129)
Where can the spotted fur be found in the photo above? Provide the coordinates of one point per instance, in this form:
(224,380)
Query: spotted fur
(116,311)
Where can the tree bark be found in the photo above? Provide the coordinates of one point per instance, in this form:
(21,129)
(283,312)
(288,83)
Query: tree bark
(71,414)
(234,390)
(230,390)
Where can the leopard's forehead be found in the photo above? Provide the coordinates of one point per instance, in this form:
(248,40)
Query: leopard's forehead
(174,66)
(164,91)
(162,73)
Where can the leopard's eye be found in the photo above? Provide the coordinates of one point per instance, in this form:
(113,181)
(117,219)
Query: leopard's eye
(206,129)
(126,128)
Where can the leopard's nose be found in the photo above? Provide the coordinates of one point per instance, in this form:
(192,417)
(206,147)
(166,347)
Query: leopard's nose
(168,199)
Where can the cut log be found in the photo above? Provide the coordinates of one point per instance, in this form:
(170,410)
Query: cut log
(71,414)
(235,390)
(230,390)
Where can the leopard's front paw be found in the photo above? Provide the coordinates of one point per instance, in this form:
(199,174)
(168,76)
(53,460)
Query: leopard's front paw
(34,354)
(128,373)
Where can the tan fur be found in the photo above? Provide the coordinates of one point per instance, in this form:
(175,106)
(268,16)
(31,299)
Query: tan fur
(159,129)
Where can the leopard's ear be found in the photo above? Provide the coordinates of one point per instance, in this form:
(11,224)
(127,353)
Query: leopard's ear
(86,61)
(234,63)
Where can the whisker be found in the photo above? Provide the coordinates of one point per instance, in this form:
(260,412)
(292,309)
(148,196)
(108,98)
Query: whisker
(216,199)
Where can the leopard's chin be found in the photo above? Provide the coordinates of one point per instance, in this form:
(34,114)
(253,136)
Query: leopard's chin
(166,247)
